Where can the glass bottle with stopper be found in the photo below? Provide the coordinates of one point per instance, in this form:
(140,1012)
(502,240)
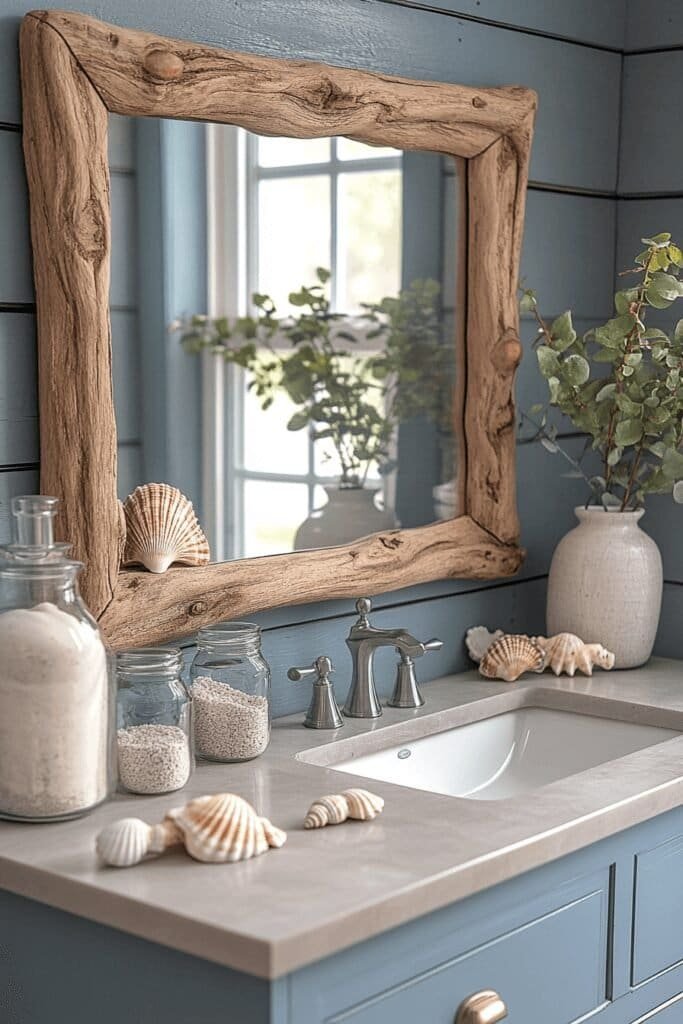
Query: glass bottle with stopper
(56,701)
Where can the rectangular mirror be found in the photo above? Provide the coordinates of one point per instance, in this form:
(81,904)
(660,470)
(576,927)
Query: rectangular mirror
(297,302)
(349,431)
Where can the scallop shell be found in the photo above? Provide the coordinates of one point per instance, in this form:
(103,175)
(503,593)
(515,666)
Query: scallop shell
(352,803)
(478,639)
(224,828)
(510,657)
(162,528)
(566,652)
(130,840)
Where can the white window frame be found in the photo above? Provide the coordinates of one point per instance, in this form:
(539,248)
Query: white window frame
(232,168)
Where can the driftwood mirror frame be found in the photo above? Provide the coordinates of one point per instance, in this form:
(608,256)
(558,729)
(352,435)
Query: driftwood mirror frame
(75,71)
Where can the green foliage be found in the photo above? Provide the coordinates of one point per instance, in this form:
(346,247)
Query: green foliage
(353,401)
(621,383)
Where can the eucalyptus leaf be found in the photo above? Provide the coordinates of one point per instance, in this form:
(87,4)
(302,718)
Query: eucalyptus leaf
(609,500)
(628,432)
(576,370)
(678,492)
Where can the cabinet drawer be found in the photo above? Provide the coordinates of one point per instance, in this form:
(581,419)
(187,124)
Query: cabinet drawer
(551,969)
(658,910)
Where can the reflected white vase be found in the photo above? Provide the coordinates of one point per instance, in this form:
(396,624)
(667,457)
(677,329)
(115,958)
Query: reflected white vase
(349,513)
(605,585)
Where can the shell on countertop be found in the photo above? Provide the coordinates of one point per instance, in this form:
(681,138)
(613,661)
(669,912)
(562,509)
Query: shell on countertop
(478,639)
(224,828)
(510,657)
(162,528)
(566,653)
(130,840)
(358,804)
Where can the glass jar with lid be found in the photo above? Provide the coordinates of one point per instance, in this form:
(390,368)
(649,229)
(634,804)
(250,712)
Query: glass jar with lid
(56,692)
(154,721)
(230,684)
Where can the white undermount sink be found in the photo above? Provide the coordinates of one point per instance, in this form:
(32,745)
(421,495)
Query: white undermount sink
(507,754)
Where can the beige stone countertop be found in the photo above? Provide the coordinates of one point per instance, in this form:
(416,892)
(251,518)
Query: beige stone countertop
(330,888)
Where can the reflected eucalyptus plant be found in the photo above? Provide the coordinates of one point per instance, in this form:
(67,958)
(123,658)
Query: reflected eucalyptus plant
(621,384)
(351,400)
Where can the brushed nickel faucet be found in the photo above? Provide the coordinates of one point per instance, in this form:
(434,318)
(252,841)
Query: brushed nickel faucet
(362,641)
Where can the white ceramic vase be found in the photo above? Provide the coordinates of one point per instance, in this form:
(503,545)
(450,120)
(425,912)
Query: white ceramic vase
(350,513)
(605,585)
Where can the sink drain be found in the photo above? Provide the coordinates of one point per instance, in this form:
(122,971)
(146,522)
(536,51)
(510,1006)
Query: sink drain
(403,754)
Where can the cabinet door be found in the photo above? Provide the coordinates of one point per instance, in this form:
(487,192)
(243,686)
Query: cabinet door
(670,1012)
(658,911)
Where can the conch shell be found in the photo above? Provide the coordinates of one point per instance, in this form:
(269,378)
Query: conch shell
(130,840)
(511,656)
(565,653)
(478,639)
(162,528)
(224,828)
(217,829)
(352,803)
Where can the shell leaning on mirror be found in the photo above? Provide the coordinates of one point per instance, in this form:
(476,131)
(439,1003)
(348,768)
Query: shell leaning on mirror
(162,528)
(130,840)
(510,657)
(567,653)
(224,828)
(478,639)
(358,804)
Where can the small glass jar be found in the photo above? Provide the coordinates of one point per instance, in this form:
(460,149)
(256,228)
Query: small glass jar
(154,721)
(230,684)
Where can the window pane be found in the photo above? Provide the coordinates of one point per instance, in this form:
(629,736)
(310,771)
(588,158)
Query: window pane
(293,235)
(268,446)
(347,149)
(369,238)
(276,152)
(272,514)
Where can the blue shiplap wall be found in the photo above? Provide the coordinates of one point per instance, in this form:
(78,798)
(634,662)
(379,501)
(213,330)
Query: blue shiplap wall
(650,188)
(571,53)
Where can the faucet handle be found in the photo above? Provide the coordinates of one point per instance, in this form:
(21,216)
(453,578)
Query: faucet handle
(363,607)
(323,711)
(406,692)
(433,645)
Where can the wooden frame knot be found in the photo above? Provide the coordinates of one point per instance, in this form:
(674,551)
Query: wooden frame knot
(163,64)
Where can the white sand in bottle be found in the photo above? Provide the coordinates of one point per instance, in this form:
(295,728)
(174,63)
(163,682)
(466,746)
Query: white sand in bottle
(53,713)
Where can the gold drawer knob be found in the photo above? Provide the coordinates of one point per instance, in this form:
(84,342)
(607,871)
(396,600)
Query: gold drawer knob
(482,1008)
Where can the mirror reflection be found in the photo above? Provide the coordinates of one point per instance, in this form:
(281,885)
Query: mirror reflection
(284,315)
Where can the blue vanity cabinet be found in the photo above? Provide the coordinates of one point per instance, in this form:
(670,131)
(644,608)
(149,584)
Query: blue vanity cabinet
(596,935)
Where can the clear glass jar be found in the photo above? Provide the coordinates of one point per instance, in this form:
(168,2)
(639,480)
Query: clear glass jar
(230,684)
(154,721)
(56,691)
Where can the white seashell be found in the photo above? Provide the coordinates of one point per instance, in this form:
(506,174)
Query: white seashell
(128,841)
(224,828)
(327,810)
(511,656)
(162,528)
(478,639)
(352,803)
(363,805)
(566,652)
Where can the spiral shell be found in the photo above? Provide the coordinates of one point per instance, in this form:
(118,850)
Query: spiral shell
(510,657)
(478,639)
(352,803)
(566,652)
(162,528)
(130,840)
(224,828)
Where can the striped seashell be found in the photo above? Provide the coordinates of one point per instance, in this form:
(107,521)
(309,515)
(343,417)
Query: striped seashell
(358,804)
(566,652)
(478,639)
(162,528)
(130,840)
(363,805)
(510,657)
(224,828)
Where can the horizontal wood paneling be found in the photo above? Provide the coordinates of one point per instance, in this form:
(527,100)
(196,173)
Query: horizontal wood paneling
(18,389)
(15,247)
(653,26)
(644,217)
(578,118)
(651,151)
(584,20)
